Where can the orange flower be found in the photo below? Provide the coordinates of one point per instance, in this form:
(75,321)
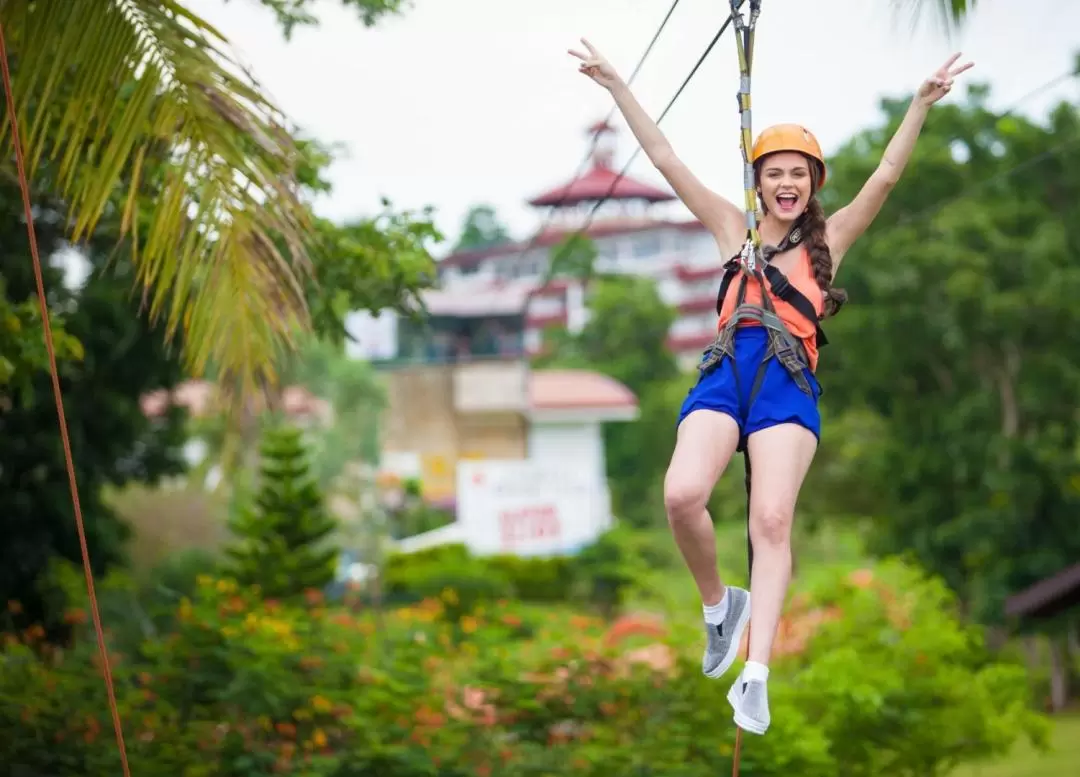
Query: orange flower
(861,578)
(313,596)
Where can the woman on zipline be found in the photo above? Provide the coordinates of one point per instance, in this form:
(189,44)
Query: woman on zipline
(772,414)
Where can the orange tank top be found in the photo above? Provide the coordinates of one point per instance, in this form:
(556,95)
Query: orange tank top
(802,278)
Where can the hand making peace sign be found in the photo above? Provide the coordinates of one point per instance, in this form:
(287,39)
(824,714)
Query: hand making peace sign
(595,66)
(940,83)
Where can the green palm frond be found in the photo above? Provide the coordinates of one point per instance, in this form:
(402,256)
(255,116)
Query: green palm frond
(141,114)
(950,13)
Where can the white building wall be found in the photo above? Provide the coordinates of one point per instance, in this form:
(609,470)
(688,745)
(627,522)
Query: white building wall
(578,443)
(648,253)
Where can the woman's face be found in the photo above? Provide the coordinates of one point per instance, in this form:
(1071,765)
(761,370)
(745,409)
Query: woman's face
(785,185)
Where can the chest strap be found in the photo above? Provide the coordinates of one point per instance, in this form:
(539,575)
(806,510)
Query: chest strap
(778,282)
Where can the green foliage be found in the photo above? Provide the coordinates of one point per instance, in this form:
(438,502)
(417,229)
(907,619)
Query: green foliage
(357,398)
(951,14)
(369,264)
(972,444)
(898,684)
(626,335)
(481,229)
(598,577)
(574,257)
(607,569)
(283,536)
(112,440)
(884,681)
(626,338)
(416,576)
(295,13)
(417,517)
(22,342)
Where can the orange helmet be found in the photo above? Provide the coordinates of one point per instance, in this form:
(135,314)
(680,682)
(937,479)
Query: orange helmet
(789,137)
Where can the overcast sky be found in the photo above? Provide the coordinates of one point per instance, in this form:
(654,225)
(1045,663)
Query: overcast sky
(465,101)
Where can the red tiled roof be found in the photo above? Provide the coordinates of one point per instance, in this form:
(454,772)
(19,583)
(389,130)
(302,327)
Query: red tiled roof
(596,184)
(566,389)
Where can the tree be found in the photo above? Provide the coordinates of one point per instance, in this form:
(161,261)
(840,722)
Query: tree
(357,398)
(144,100)
(111,357)
(626,338)
(573,257)
(958,338)
(22,343)
(627,332)
(481,229)
(282,536)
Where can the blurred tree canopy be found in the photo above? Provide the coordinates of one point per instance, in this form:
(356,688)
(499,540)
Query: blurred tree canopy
(958,348)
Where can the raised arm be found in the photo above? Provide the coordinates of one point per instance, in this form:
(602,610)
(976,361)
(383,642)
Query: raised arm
(848,224)
(721,217)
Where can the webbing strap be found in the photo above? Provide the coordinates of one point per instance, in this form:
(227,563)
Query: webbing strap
(782,288)
(744,42)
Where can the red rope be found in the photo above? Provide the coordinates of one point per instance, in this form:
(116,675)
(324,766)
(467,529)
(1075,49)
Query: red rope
(106,669)
(738,729)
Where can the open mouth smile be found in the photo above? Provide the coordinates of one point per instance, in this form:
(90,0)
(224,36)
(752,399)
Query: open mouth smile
(787,202)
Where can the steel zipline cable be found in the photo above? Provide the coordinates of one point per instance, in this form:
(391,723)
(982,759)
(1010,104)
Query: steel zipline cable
(626,167)
(671,104)
(607,119)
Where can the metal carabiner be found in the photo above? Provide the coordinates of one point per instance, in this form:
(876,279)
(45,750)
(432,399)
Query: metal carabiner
(748,256)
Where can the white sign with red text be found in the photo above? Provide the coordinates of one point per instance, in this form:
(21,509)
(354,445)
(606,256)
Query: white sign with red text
(528,508)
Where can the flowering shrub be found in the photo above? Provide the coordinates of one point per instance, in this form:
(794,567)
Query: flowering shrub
(867,681)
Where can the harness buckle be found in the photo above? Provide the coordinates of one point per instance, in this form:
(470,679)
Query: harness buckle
(748,257)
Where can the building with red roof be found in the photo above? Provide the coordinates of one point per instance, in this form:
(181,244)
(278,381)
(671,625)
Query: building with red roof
(632,235)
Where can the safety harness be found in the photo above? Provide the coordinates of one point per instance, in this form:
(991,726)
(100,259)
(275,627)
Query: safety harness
(754,262)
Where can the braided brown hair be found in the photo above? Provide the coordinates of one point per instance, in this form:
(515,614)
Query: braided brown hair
(813,227)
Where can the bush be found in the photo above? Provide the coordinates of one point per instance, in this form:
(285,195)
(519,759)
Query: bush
(898,684)
(598,576)
(874,676)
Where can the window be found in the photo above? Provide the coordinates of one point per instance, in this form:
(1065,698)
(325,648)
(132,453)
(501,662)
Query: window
(646,245)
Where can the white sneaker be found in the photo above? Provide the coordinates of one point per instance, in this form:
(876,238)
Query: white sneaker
(750,701)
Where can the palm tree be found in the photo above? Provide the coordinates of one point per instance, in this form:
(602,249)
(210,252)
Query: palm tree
(137,111)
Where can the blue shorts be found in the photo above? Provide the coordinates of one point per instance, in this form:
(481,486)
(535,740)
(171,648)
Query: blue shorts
(779,399)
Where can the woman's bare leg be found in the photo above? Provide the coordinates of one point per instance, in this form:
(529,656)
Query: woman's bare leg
(780,457)
(705,443)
